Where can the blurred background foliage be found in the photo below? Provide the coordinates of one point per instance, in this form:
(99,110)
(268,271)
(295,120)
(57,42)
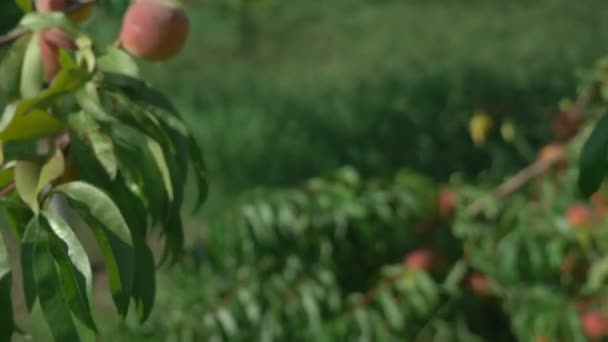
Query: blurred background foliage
(283,92)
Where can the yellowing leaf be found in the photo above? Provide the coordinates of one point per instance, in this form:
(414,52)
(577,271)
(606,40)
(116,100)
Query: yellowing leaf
(479,127)
(507,130)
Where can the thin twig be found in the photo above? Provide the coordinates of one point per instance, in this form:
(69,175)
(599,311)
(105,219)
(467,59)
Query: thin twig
(9,188)
(18,32)
(537,168)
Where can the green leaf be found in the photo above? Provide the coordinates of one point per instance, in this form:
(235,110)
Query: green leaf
(112,233)
(10,70)
(144,287)
(87,99)
(31,69)
(161,163)
(30,178)
(53,169)
(27,174)
(74,268)
(36,124)
(28,245)
(7,173)
(101,143)
(6,307)
(54,306)
(66,82)
(593,159)
(24,5)
(118,61)
(37,21)
(391,309)
(200,172)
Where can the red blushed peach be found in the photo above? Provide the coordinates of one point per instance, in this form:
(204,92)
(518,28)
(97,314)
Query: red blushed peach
(579,215)
(479,284)
(50,42)
(595,325)
(447,203)
(154,30)
(420,260)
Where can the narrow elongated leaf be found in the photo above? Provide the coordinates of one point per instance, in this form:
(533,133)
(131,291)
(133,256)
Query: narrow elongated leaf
(161,163)
(100,143)
(200,172)
(36,124)
(54,306)
(31,69)
(75,273)
(144,287)
(26,180)
(6,305)
(594,159)
(112,233)
(10,70)
(52,170)
(90,104)
(28,245)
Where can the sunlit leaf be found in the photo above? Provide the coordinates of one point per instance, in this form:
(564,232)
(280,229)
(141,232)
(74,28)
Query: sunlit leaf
(27,174)
(100,143)
(51,170)
(36,124)
(10,70)
(118,61)
(31,69)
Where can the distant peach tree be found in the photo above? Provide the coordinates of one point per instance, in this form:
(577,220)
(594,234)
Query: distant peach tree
(80,126)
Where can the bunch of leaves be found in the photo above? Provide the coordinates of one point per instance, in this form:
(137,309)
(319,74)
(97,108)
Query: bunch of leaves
(329,261)
(114,148)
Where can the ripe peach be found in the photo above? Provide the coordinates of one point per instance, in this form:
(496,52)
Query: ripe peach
(579,215)
(447,203)
(154,30)
(420,259)
(479,284)
(594,325)
(50,42)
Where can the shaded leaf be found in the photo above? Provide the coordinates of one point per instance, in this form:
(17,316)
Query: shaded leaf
(28,245)
(594,158)
(144,286)
(100,143)
(74,268)
(52,303)
(6,306)
(112,233)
